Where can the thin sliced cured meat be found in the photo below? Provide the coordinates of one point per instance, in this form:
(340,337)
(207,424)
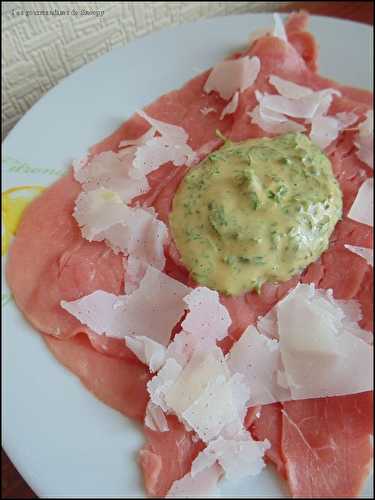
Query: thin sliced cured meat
(167,456)
(120,385)
(326,445)
(343,273)
(365,296)
(49,261)
(59,265)
(269,426)
(303,41)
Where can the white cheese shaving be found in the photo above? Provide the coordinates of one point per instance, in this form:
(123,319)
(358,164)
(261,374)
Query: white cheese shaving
(239,458)
(320,356)
(235,74)
(148,351)
(97,210)
(362,209)
(153,309)
(256,357)
(155,418)
(321,352)
(135,269)
(207,317)
(202,485)
(170,146)
(203,394)
(134,231)
(183,346)
(289,89)
(206,322)
(365,140)
(231,106)
(207,417)
(267,325)
(159,385)
(272,126)
(278,28)
(112,171)
(365,253)
(100,311)
(304,107)
(300,102)
(325,129)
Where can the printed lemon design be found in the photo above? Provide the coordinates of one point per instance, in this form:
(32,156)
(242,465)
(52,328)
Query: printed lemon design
(13,203)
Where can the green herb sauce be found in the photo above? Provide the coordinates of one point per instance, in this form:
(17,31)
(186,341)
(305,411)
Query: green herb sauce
(254,212)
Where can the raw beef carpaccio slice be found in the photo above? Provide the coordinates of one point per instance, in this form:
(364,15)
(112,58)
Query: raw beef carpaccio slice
(167,456)
(57,264)
(326,445)
(119,383)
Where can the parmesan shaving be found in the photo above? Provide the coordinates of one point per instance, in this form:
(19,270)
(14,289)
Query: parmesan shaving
(299,102)
(148,351)
(155,418)
(365,253)
(256,357)
(232,75)
(362,209)
(135,269)
(364,140)
(133,231)
(152,310)
(100,311)
(159,385)
(231,106)
(202,394)
(289,89)
(112,171)
(207,317)
(202,485)
(304,107)
(325,129)
(272,126)
(314,331)
(150,151)
(239,458)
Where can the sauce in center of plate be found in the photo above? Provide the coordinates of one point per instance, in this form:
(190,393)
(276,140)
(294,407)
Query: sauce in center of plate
(254,212)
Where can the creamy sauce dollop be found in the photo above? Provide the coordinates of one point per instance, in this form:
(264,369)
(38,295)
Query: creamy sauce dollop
(256,211)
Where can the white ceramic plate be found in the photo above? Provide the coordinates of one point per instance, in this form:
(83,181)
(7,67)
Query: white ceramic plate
(64,442)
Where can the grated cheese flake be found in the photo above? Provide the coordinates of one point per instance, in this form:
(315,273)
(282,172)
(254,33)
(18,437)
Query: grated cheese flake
(362,209)
(232,75)
(152,310)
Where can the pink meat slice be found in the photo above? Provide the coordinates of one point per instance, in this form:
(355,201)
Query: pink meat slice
(69,267)
(326,445)
(49,261)
(167,456)
(269,426)
(117,383)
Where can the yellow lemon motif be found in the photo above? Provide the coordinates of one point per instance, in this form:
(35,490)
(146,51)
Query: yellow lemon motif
(13,203)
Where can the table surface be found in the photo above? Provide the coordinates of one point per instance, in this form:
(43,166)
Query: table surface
(12,484)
